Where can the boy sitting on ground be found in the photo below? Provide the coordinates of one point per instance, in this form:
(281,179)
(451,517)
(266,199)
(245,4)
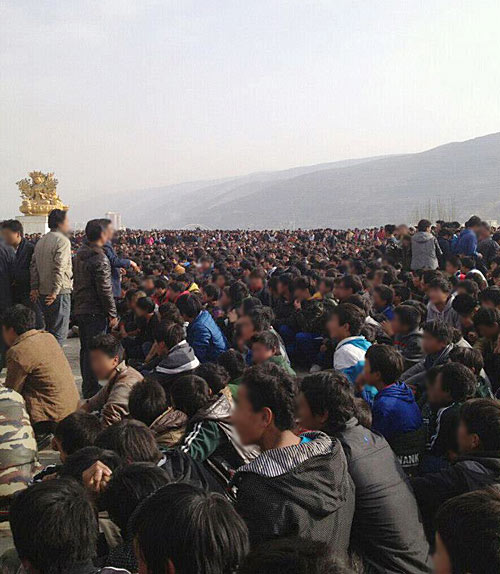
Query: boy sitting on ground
(265,348)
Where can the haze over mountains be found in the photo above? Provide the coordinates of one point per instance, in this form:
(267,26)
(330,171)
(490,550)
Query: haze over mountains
(451,181)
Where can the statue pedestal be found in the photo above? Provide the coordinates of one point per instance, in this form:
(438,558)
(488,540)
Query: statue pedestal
(34,224)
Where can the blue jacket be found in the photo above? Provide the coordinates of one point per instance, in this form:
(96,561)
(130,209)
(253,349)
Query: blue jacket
(395,411)
(466,243)
(117,263)
(206,338)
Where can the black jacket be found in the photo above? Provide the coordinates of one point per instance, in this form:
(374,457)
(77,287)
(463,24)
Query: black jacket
(21,271)
(6,265)
(303,491)
(92,290)
(387,530)
(470,472)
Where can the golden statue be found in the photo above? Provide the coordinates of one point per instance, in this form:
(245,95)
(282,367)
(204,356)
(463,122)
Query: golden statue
(39,195)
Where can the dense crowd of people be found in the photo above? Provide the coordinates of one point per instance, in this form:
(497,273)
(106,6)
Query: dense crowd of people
(320,401)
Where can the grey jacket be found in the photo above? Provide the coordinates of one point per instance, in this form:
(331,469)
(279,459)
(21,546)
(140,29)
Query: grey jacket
(424,251)
(51,269)
(447,315)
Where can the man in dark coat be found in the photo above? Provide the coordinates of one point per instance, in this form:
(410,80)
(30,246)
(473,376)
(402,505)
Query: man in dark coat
(386,531)
(6,266)
(94,305)
(117,263)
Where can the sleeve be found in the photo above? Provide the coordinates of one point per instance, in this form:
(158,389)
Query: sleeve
(380,422)
(34,276)
(104,287)
(62,259)
(439,251)
(16,374)
(200,343)
(115,261)
(203,440)
(96,402)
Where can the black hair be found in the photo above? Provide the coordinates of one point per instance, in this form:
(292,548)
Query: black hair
(237,292)
(473,221)
(268,339)
(234,363)
(196,531)
(131,440)
(108,345)
(147,401)
(469,525)
(408,315)
(84,458)
(189,394)
(216,376)
(348,313)
(13,225)
(189,305)
(94,229)
(490,294)
(146,304)
(169,313)
(423,225)
(440,283)
(386,361)
(454,260)
(77,430)
(468,262)
(482,417)
(352,282)
(471,358)
(212,292)
(486,316)
(270,386)
(329,392)
(464,304)
(261,318)
(54,526)
(439,330)
(402,291)
(128,487)
(386,293)
(170,333)
(457,380)
(19,318)
(294,556)
(56,217)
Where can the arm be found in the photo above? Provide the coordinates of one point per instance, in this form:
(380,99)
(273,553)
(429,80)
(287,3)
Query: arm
(116,261)
(104,288)
(202,441)
(16,374)
(34,276)
(200,342)
(62,259)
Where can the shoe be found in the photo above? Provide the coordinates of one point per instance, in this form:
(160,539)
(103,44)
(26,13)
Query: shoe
(315,369)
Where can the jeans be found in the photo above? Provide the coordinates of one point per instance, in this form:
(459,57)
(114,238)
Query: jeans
(57,316)
(89,326)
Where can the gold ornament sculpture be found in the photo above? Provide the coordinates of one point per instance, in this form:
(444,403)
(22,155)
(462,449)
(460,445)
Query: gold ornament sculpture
(39,194)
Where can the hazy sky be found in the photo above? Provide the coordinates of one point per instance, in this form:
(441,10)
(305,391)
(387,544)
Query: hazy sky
(125,94)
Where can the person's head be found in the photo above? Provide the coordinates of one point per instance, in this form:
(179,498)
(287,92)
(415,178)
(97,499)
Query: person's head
(490,297)
(264,346)
(487,322)
(189,394)
(401,294)
(145,307)
(76,431)
(108,228)
(383,366)
(79,461)
(382,296)
(161,286)
(453,383)
(58,221)
(189,306)
(181,529)
(12,232)
(131,440)
(106,353)
(216,376)
(211,293)
(406,319)
(453,264)
(147,401)
(234,363)
(16,321)
(437,335)
(326,285)
(479,428)
(285,285)
(346,320)
(347,286)
(255,321)
(326,402)
(54,527)
(471,358)
(266,403)
(474,223)
(128,487)
(467,264)
(293,556)
(257,280)
(439,290)
(168,335)
(467,540)
(302,288)
(424,225)
(96,232)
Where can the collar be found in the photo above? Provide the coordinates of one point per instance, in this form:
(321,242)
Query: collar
(25,335)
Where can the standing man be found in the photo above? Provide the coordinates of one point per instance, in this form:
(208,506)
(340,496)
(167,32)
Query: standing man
(94,305)
(52,275)
(13,234)
(117,263)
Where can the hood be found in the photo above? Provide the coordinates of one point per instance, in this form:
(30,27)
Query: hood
(219,410)
(446,308)
(180,359)
(398,391)
(312,474)
(171,419)
(423,237)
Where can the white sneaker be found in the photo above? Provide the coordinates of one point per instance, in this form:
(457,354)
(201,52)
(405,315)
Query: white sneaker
(315,369)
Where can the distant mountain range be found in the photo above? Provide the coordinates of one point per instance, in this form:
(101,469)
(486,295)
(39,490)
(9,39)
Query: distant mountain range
(451,181)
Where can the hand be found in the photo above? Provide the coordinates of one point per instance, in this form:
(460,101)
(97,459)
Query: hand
(387,327)
(297,304)
(34,294)
(232,316)
(50,299)
(134,266)
(96,477)
(113,322)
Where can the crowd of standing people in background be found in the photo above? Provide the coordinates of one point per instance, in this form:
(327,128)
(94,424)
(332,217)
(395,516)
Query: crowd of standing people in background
(321,401)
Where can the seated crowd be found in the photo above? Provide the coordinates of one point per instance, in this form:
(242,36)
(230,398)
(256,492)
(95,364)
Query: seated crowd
(254,402)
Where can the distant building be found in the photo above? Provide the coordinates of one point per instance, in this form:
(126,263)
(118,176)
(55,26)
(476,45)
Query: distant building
(116,219)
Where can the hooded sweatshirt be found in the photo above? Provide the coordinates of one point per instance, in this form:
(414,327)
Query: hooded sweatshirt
(424,251)
(395,411)
(447,315)
(179,361)
(302,491)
